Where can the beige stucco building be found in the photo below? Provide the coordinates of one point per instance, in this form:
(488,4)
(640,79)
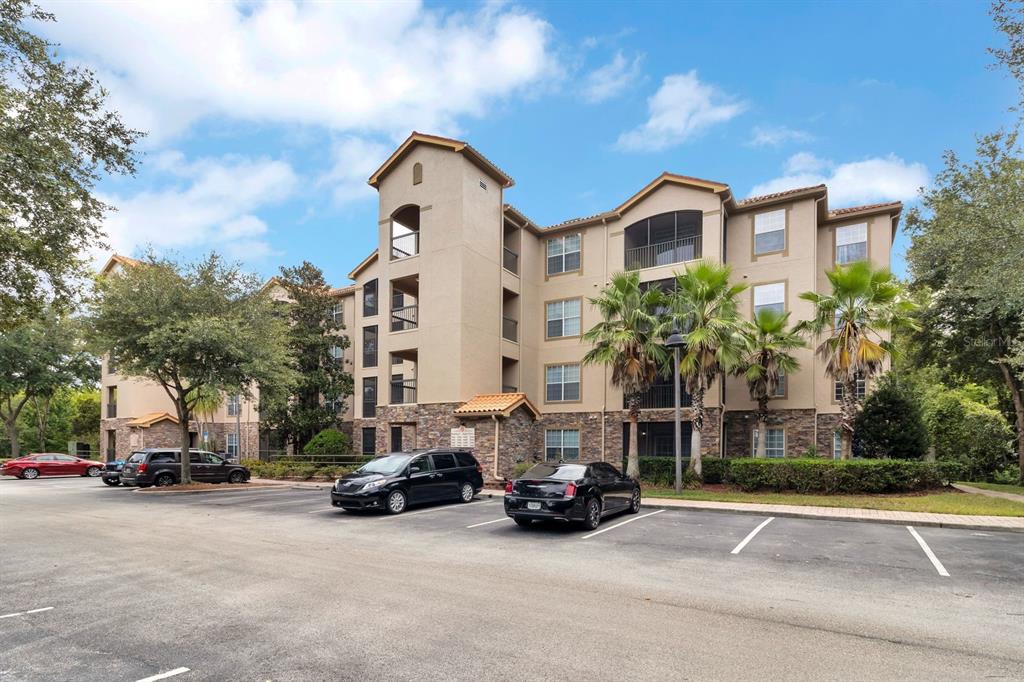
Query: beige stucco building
(465,322)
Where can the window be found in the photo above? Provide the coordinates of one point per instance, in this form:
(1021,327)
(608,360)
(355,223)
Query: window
(563,318)
(837,445)
(419,465)
(370,298)
(232,445)
(465,459)
(417,173)
(663,239)
(338,313)
(563,254)
(562,383)
(338,353)
(369,397)
(159,457)
(770,297)
(561,444)
(369,440)
(444,461)
(770,232)
(210,458)
(862,389)
(370,346)
(334,405)
(775,444)
(780,389)
(234,405)
(851,243)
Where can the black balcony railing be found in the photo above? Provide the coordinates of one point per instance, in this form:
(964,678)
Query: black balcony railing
(111,410)
(665,253)
(510,261)
(659,397)
(405,245)
(406,317)
(403,392)
(509,329)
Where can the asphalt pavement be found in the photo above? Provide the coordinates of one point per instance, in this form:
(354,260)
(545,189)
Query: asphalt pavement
(100,583)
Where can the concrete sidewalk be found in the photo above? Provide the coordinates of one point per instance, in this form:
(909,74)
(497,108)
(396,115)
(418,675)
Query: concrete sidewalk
(902,518)
(1013,497)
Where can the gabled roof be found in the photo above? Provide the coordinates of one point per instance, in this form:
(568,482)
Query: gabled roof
(500,404)
(519,217)
(457,146)
(147,420)
(118,259)
(363,264)
(816,191)
(867,209)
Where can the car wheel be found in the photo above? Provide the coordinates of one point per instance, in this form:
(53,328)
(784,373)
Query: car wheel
(521,522)
(466,492)
(92,472)
(30,473)
(163,480)
(634,501)
(396,502)
(110,481)
(593,517)
(236,477)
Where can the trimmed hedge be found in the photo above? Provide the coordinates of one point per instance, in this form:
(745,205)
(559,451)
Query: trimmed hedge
(661,471)
(328,442)
(292,469)
(843,477)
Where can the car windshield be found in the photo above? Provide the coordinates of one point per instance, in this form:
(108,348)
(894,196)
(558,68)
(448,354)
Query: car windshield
(389,464)
(137,457)
(568,472)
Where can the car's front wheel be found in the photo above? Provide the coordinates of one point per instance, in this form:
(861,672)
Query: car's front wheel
(592,519)
(634,501)
(236,477)
(92,472)
(396,502)
(163,480)
(466,492)
(111,481)
(30,473)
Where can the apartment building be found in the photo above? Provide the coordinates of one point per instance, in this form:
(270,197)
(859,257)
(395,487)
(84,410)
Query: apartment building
(468,316)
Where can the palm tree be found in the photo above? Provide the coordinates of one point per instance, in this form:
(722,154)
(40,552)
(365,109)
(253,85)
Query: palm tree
(703,306)
(626,340)
(865,304)
(208,402)
(767,357)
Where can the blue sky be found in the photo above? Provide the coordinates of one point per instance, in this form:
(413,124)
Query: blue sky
(265,120)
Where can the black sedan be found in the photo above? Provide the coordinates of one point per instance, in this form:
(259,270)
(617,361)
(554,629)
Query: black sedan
(567,491)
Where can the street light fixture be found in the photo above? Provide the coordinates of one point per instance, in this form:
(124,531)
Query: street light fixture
(675,341)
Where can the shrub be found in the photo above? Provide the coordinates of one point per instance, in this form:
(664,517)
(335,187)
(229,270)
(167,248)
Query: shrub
(661,472)
(521,468)
(965,431)
(716,470)
(329,442)
(844,477)
(891,424)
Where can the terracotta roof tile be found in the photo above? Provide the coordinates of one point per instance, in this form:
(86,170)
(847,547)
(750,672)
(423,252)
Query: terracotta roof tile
(496,403)
(866,207)
(777,195)
(147,420)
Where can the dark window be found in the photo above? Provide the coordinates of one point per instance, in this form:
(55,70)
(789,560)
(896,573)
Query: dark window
(370,298)
(558,473)
(65,458)
(445,461)
(370,346)
(657,439)
(163,457)
(419,465)
(369,397)
(417,173)
(369,440)
(465,459)
(137,457)
(664,239)
(605,470)
(193,458)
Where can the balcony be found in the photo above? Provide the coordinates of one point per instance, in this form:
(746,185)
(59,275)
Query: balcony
(510,261)
(406,317)
(403,392)
(510,329)
(111,410)
(405,245)
(664,253)
(659,397)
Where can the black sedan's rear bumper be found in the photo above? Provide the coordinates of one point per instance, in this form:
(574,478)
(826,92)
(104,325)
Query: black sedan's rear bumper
(371,500)
(111,475)
(557,508)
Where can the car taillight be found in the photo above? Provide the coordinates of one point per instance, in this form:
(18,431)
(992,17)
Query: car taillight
(508,486)
(142,468)
(570,490)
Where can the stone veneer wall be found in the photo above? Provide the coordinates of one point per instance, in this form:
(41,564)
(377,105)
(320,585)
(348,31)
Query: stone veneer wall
(827,424)
(740,426)
(166,434)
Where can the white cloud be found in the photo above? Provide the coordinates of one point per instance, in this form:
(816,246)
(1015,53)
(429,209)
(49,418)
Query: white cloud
(888,178)
(379,67)
(774,136)
(209,203)
(682,108)
(611,79)
(353,160)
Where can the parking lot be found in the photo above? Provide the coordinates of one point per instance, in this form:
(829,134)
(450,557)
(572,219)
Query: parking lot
(276,584)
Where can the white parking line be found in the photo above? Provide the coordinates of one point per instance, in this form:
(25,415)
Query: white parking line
(750,537)
(487,523)
(164,676)
(929,553)
(25,613)
(435,509)
(621,523)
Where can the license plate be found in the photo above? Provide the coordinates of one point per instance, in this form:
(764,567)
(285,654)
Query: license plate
(533,505)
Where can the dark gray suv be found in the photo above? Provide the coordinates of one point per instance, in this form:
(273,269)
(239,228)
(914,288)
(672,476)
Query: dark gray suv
(162,466)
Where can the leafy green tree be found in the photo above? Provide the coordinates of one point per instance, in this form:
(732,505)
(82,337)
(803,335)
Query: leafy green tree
(190,328)
(38,358)
(316,344)
(85,416)
(704,307)
(966,431)
(58,136)
(329,442)
(626,340)
(891,423)
(852,320)
(46,425)
(1009,18)
(965,258)
(767,356)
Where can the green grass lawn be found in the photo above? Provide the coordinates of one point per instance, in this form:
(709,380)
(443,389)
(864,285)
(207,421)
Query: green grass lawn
(935,502)
(1001,487)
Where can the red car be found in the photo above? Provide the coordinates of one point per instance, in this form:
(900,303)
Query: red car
(50,464)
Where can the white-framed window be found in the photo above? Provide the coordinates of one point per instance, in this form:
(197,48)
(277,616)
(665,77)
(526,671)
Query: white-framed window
(775,443)
(851,243)
(563,254)
(234,405)
(334,405)
(232,444)
(338,312)
(837,445)
(862,389)
(780,389)
(563,318)
(562,383)
(561,444)
(770,297)
(337,352)
(770,232)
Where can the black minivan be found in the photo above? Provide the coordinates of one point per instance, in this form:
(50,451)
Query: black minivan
(162,466)
(393,482)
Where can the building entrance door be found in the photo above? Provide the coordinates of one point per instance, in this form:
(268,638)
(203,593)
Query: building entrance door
(396,439)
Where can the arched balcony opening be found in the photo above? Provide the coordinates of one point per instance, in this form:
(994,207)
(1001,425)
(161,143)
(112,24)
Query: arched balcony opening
(664,239)
(405,232)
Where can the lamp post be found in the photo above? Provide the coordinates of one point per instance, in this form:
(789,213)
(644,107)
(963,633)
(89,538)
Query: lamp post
(675,341)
